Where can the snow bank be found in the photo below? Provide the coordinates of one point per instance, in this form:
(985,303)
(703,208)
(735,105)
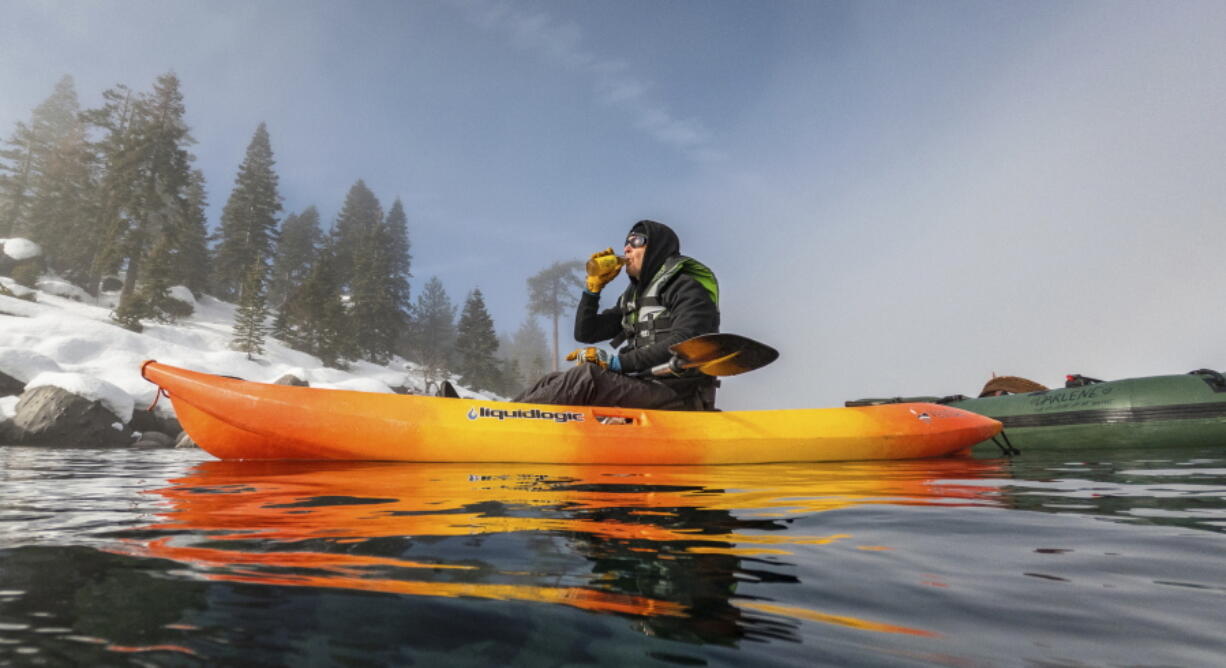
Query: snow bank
(17,289)
(62,288)
(21,249)
(24,365)
(358,385)
(296,372)
(113,398)
(74,344)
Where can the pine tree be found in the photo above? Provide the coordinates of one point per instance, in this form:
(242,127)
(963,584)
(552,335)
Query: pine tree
(281,328)
(249,219)
(46,178)
(397,225)
(314,318)
(433,330)
(153,293)
(372,263)
(554,291)
(527,352)
(360,213)
(376,318)
(297,248)
(129,312)
(511,378)
(335,344)
(191,249)
(249,327)
(476,346)
(295,321)
(16,177)
(396,228)
(60,216)
(119,153)
(147,198)
(178,256)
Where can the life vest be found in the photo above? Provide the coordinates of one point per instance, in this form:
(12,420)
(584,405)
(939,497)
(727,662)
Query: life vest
(644,316)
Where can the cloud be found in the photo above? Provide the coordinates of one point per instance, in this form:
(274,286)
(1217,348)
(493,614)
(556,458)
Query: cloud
(561,44)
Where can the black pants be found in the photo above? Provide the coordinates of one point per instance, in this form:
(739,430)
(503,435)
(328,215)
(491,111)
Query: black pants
(590,385)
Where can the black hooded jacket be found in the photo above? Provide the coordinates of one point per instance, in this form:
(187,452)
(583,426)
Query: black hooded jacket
(692,309)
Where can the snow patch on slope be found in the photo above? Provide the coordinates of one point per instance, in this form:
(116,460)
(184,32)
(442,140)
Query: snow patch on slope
(115,399)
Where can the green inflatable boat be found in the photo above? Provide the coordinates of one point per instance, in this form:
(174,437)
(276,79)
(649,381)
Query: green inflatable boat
(1186,410)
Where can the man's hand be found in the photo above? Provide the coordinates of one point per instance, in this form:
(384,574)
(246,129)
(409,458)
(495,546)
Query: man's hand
(602,267)
(589,355)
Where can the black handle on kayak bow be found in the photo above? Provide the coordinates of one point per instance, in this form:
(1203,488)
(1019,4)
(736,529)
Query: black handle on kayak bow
(717,355)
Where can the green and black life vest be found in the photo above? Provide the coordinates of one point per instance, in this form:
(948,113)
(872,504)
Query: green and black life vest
(644,316)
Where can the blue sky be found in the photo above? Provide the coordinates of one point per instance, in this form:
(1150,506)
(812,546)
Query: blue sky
(902,197)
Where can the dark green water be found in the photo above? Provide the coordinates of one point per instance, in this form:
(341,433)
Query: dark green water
(169,558)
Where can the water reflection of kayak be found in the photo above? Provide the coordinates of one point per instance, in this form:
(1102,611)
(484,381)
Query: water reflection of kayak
(677,546)
(1186,410)
(237,419)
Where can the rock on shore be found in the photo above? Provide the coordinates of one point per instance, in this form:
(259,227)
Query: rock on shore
(68,410)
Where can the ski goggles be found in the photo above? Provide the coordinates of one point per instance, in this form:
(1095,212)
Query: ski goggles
(636,240)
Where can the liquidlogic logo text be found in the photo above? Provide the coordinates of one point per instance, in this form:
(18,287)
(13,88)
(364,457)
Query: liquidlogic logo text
(533,414)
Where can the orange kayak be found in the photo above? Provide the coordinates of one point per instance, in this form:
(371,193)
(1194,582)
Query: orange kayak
(238,419)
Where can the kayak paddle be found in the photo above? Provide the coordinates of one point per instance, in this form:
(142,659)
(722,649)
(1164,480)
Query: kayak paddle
(717,355)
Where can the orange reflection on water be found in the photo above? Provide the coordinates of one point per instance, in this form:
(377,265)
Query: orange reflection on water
(386,527)
(578,597)
(838,620)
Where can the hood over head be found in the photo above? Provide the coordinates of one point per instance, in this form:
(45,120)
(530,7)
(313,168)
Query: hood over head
(662,243)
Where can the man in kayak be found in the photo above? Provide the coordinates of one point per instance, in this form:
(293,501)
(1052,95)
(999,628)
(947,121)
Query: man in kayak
(670,298)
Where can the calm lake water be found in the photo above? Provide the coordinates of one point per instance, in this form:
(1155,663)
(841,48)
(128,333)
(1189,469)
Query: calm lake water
(1051,559)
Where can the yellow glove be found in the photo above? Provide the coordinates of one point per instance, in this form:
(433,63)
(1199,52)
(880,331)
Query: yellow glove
(590,354)
(602,267)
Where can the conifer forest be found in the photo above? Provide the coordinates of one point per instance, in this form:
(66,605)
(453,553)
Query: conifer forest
(114,200)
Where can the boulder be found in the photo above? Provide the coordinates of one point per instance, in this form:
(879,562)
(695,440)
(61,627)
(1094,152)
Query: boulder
(185,441)
(22,259)
(154,439)
(291,379)
(8,434)
(50,415)
(143,421)
(10,385)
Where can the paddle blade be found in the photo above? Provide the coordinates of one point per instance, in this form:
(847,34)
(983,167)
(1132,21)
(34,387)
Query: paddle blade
(723,354)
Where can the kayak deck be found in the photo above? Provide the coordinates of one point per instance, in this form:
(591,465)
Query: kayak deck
(237,419)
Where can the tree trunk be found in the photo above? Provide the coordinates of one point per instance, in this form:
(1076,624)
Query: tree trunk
(129,280)
(555,342)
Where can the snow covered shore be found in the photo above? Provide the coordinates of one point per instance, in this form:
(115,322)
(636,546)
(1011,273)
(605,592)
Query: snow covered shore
(65,338)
